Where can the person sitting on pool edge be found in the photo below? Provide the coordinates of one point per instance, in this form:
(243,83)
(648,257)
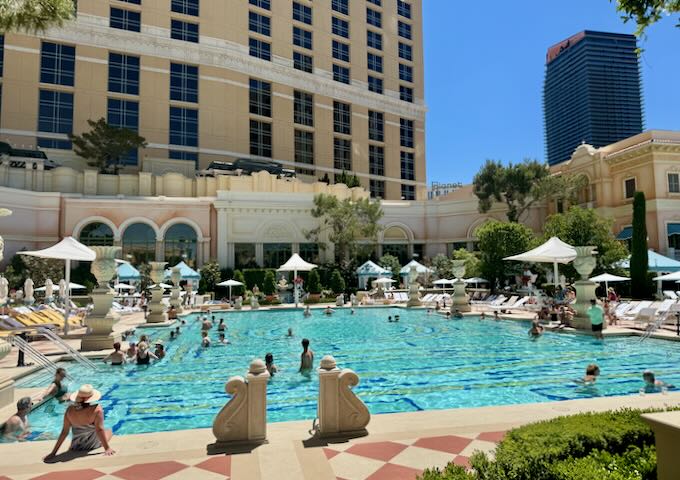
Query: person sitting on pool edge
(116,357)
(172,313)
(652,384)
(17,427)
(205,342)
(306,359)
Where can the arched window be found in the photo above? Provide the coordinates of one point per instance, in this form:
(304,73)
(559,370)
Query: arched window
(96,234)
(395,242)
(180,245)
(139,241)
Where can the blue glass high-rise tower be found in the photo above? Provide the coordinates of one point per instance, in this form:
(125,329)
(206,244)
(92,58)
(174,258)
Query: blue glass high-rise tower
(592,92)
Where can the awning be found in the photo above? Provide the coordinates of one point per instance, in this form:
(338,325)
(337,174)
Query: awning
(625,234)
(673,229)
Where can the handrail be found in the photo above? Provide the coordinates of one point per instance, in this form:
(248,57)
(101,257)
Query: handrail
(74,354)
(36,355)
(653,326)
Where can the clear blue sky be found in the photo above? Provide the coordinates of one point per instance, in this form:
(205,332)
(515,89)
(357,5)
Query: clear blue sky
(484,67)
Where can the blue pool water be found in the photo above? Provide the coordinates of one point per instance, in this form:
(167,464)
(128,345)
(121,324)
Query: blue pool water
(424,362)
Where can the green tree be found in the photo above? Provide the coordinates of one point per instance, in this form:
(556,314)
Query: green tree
(584,227)
(391,263)
(472,263)
(337,283)
(521,185)
(498,240)
(269,285)
(442,266)
(38,269)
(210,276)
(646,12)
(313,282)
(346,222)
(104,145)
(639,259)
(34,16)
(239,277)
(350,180)
(145,276)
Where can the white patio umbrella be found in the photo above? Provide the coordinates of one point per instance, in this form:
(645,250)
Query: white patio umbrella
(443,282)
(606,278)
(162,285)
(668,277)
(124,286)
(229,283)
(296,264)
(553,251)
(68,249)
(383,281)
(476,280)
(72,286)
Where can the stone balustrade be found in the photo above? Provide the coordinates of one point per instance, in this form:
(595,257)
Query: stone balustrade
(666,427)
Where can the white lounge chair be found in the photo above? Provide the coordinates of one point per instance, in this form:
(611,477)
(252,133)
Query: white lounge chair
(665,306)
(519,304)
(645,315)
(670,294)
(509,302)
(498,300)
(634,311)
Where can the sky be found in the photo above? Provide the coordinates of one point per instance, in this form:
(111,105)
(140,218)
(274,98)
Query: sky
(484,69)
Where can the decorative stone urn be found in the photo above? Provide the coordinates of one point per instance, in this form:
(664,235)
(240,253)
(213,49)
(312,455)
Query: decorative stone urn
(100,320)
(156,308)
(341,413)
(413,288)
(175,300)
(4,290)
(5,348)
(460,299)
(584,263)
(243,420)
(29,299)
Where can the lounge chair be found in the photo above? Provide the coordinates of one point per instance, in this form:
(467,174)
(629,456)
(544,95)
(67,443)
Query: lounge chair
(507,303)
(640,305)
(519,304)
(670,294)
(498,301)
(645,315)
(665,305)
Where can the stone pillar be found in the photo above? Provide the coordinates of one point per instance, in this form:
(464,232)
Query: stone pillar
(156,308)
(413,288)
(222,240)
(341,413)
(259,254)
(175,300)
(243,420)
(666,427)
(584,264)
(100,320)
(160,250)
(460,299)
(6,388)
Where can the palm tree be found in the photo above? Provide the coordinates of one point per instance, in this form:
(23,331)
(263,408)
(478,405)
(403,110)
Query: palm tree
(34,15)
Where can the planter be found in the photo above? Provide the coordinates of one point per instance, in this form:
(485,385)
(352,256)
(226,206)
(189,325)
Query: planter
(104,266)
(5,348)
(315,297)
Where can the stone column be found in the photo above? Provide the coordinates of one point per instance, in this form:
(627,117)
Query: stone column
(175,300)
(413,289)
(584,264)
(460,299)
(100,320)
(341,413)
(156,308)
(259,254)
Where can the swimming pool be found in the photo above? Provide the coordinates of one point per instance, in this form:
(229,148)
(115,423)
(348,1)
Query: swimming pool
(424,362)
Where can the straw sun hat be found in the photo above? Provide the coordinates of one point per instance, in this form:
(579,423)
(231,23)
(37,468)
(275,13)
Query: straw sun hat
(86,394)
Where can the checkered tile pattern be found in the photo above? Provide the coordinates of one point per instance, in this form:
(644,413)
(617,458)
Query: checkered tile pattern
(406,459)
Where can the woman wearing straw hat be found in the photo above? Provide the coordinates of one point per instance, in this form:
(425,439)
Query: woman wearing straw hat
(86,419)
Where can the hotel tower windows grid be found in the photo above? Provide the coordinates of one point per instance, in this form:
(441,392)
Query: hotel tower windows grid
(374,40)
(260,98)
(265,4)
(124,114)
(340,27)
(375,84)
(342,118)
(341,6)
(302,38)
(260,138)
(260,49)
(406,133)
(303,108)
(342,154)
(304,151)
(55,115)
(376,160)
(123,73)
(376,126)
(184,82)
(183,132)
(340,51)
(373,17)
(185,7)
(302,13)
(259,24)
(125,19)
(57,64)
(303,62)
(185,31)
(341,74)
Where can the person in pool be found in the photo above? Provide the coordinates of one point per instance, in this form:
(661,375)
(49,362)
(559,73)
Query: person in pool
(144,356)
(17,427)
(457,314)
(223,340)
(306,359)
(329,311)
(389,319)
(592,372)
(482,316)
(116,357)
(57,388)
(308,312)
(269,362)
(596,315)
(536,329)
(132,351)
(205,341)
(206,325)
(290,332)
(160,350)
(221,327)
(652,384)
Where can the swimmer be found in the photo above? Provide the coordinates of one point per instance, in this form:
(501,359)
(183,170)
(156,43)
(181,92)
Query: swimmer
(448,315)
(389,319)
(269,362)
(223,340)
(429,311)
(221,327)
(352,312)
(177,332)
(306,359)
(160,350)
(482,316)
(592,372)
(396,318)
(329,311)
(652,384)
(536,329)
(457,314)
(308,312)
(205,342)
(173,335)
(116,357)
(206,325)
(496,316)
(290,332)
(132,350)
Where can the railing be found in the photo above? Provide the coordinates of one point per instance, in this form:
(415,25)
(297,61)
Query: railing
(72,352)
(654,326)
(38,357)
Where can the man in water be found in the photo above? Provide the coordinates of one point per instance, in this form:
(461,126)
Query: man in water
(536,329)
(308,312)
(596,315)
(652,384)
(457,314)
(306,359)
(17,427)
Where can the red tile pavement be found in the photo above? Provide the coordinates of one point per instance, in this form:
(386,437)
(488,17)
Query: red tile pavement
(491,436)
(150,471)
(70,475)
(327,451)
(447,443)
(377,450)
(462,461)
(220,465)
(394,472)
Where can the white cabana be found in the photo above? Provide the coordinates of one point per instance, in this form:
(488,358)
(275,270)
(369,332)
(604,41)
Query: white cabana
(296,264)
(553,251)
(608,277)
(68,249)
(371,270)
(72,286)
(420,269)
(229,283)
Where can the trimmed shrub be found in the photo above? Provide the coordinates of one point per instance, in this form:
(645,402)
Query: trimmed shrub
(337,283)
(313,283)
(238,276)
(269,285)
(638,249)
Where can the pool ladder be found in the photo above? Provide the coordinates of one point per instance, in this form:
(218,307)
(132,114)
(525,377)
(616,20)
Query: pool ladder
(75,355)
(34,354)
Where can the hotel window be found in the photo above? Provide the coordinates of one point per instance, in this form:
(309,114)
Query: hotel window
(373,17)
(276,254)
(302,38)
(260,98)
(2,54)
(184,82)
(260,49)
(375,84)
(376,126)
(310,252)
(182,155)
(186,7)
(408,192)
(407,166)
(261,138)
(266,4)
(375,2)
(342,118)
(302,13)
(629,187)
(404,30)
(96,234)
(180,244)
(125,19)
(405,93)
(244,253)
(183,127)
(342,154)
(406,133)
(259,23)
(374,40)
(340,27)
(57,64)
(55,115)
(376,160)
(405,51)
(303,62)
(185,31)
(341,6)
(303,108)
(674,183)
(124,114)
(123,73)
(403,9)
(405,73)
(377,188)
(341,74)
(340,51)
(375,62)
(304,151)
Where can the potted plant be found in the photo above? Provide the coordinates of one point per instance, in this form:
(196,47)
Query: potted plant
(314,285)
(269,285)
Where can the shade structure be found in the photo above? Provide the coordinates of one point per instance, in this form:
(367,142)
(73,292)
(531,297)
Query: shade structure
(371,270)
(229,283)
(72,286)
(123,286)
(608,277)
(383,281)
(162,285)
(68,249)
(296,264)
(127,272)
(669,277)
(185,271)
(656,263)
(443,281)
(553,251)
(476,280)
(420,268)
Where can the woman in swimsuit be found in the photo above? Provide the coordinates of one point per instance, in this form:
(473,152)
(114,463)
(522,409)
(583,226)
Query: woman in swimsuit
(116,357)
(144,356)
(57,388)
